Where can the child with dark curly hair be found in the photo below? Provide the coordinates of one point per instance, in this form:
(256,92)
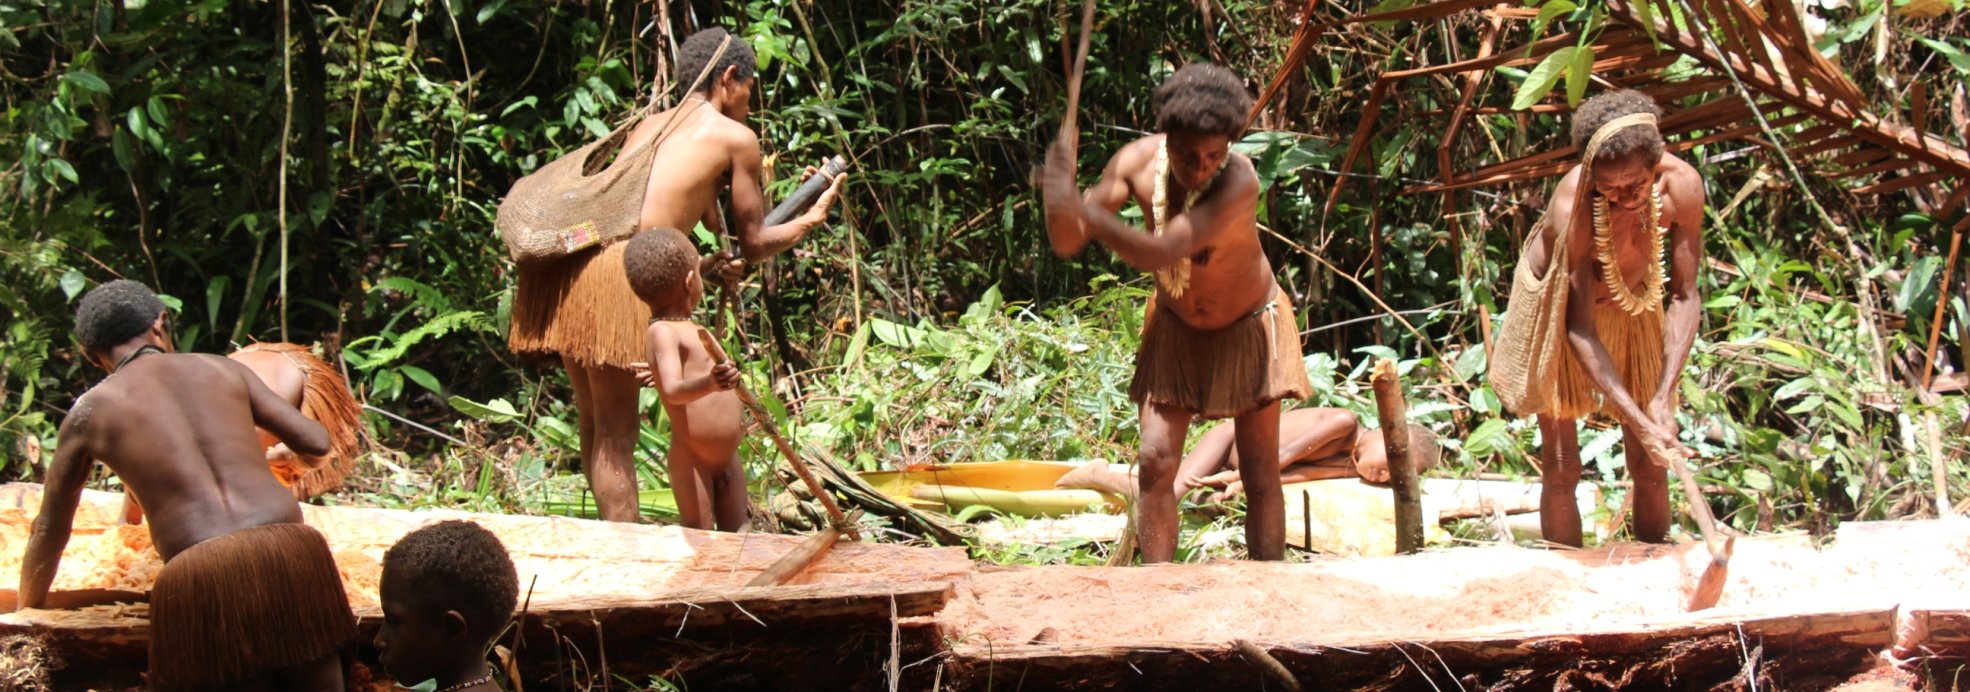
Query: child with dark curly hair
(448,590)
(706,422)
(1220,340)
(1624,207)
(249,595)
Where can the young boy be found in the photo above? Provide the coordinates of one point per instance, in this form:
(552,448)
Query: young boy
(248,594)
(705,415)
(448,590)
(1314,444)
(1220,341)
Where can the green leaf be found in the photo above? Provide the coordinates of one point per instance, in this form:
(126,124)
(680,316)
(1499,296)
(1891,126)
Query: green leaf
(981,362)
(1793,389)
(704,235)
(215,291)
(527,102)
(61,167)
(1542,78)
(1469,363)
(1957,58)
(86,80)
(1579,73)
(1551,11)
(492,8)
(422,377)
(857,344)
(159,112)
(73,282)
(1845,413)
(497,410)
(1645,13)
(1757,480)
(1487,439)
(121,145)
(136,122)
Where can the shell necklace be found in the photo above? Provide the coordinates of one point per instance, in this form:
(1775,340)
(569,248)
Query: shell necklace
(1617,286)
(1175,278)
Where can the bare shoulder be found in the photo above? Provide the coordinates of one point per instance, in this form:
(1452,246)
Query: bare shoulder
(76,423)
(1680,179)
(1240,177)
(741,138)
(1565,192)
(1135,155)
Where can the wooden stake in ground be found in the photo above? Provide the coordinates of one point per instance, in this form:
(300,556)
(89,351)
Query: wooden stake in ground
(765,420)
(1393,411)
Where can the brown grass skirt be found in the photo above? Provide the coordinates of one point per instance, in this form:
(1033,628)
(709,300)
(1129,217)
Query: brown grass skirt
(582,309)
(245,604)
(325,399)
(1634,343)
(1225,372)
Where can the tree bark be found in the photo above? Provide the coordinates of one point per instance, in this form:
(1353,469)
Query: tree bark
(1393,411)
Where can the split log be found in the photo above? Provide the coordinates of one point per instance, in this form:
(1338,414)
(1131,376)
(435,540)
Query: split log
(1696,655)
(628,582)
(1516,618)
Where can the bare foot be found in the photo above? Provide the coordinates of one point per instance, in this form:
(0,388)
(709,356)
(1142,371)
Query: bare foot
(1099,475)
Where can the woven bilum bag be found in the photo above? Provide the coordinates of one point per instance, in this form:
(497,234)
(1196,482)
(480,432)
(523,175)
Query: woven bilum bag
(590,196)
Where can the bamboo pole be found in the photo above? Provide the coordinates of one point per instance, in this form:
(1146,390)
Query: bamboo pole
(1393,411)
(765,421)
(802,556)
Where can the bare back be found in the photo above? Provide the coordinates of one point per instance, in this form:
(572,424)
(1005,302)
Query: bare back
(179,430)
(1230,276)
(693,163)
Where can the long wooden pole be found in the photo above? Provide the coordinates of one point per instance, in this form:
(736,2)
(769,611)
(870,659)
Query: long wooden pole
(1942,301)
(1393,410)
(765,420)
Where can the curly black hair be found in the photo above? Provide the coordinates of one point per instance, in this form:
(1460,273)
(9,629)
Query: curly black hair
(1628,141)
(701,47)
(455,565)
(115,313)
(658,261)
(1424,447)
(1202,98)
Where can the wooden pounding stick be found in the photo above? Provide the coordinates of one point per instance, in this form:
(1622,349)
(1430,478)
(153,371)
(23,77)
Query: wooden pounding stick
(1068,124)
(765,419)
(1710,587)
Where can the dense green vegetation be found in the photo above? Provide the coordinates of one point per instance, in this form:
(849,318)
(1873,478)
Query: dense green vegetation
(323,172)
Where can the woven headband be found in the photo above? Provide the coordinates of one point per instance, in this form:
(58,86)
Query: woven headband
(1608,130)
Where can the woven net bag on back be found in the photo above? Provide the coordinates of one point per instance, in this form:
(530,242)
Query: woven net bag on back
(590,196)
(1525,362)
